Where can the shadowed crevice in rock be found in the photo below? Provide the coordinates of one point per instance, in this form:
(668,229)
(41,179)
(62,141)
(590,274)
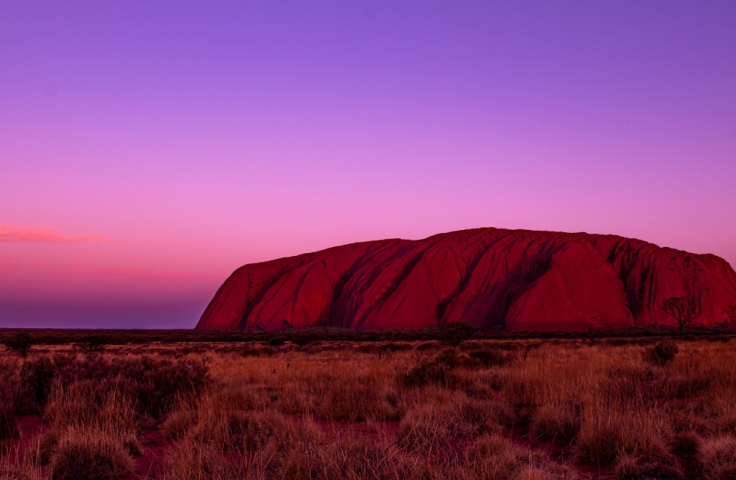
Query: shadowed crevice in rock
(334,316)
(256,300)
(462,285)
(395,283)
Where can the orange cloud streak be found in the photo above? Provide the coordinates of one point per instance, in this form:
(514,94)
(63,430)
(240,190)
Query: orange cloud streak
(150,274)
(23,233)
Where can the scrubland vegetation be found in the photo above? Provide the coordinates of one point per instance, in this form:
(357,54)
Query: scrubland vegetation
(622,408)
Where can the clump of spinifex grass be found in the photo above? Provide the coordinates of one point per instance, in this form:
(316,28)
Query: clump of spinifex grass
(92,455)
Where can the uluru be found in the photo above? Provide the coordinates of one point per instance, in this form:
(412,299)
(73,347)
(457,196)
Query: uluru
(492,278)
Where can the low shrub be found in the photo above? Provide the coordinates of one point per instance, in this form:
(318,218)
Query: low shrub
(157,383)
(10,391)
(455,333)
(490,357)
(90,456)
(452,358)
(20,342)
(662,353)
(370,348)
(301,341)
(36,377)
(430,372)
(397,347)
(685,444)
(422,347)
(154,383)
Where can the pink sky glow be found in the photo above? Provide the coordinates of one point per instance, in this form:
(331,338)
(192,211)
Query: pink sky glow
(147,149)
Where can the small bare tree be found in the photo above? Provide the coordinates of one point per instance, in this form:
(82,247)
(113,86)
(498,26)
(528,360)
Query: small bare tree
(684,309)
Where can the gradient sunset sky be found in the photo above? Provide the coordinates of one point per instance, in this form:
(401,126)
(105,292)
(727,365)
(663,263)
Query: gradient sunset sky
(147,149)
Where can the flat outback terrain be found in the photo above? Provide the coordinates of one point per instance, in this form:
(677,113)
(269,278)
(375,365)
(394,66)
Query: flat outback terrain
(298,407)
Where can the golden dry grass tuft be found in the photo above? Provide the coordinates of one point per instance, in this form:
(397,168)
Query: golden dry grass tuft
(90,455)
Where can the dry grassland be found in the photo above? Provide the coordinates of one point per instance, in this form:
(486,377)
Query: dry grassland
(622,409)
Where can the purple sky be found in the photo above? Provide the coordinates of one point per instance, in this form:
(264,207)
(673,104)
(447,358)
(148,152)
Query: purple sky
(147,149)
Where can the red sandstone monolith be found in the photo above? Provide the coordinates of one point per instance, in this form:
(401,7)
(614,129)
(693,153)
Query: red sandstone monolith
(492,278)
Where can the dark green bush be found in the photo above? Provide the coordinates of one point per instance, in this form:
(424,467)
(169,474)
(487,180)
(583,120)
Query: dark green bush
(429,373)
(397,347)
(20,342)
(36,378)
(455,333)
(667,350)
(452,358)
(662,353)
(301,341)
(490,357)
(440,371)
(155,383)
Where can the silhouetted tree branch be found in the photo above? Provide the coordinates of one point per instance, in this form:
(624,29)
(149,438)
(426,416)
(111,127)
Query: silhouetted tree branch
(683,309)
(457,332)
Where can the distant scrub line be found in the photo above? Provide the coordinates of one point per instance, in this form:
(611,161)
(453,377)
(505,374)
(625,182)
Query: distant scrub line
(303,336)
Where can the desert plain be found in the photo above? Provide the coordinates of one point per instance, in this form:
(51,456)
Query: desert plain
(395,405)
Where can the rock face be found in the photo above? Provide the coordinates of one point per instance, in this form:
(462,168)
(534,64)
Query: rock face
(511,279)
